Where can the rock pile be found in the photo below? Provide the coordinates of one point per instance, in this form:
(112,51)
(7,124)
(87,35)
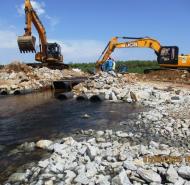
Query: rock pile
(106,157)
(20,78)
(168,108)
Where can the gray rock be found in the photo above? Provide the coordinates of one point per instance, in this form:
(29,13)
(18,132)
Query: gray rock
(59,148)
(154,144)
(82,179)
(149,175)
(121,179)
(103,180)
(180,181)
(121,134)
(99,133)
(44,144)
(28,147)
(129,165)
(184,171)
(43,164)
(187,183)
(91,169)
(171,174)
(17,177)
(92,151)
(100,139)
(133,96)
(122,156)
(82,150)
(113,96)
(70,175)
(112,73)
(49,182)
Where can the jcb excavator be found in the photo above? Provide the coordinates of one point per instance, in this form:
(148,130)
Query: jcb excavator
(167,56)
(50,53)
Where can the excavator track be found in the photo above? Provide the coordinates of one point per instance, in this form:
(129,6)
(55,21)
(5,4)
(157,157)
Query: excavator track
(54,66)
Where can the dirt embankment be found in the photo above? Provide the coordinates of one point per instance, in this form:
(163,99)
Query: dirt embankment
(174,76)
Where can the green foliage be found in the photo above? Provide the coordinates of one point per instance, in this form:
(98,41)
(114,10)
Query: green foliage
(135,66)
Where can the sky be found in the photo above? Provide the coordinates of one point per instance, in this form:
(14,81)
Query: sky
(84,27)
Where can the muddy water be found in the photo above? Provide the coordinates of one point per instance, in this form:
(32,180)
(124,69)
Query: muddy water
(40,116)
(37,116)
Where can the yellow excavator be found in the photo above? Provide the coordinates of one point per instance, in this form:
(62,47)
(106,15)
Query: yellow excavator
(50,53)
(167,56)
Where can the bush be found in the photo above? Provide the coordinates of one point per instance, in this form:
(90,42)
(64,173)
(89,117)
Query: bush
(135,66)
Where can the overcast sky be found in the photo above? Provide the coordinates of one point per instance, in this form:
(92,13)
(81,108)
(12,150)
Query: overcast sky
(83,27)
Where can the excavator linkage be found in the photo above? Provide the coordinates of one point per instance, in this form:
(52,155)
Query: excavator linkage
(26,44)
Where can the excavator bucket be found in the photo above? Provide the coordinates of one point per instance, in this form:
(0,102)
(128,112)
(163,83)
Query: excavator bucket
(26,44)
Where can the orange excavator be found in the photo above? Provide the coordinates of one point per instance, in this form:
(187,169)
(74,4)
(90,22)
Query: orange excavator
(50,53)
(167,56)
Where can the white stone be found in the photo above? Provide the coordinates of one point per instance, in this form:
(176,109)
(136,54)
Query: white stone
(43,164)
(129,165)
(149,175)
(121,179)
(82,179)
(121,134)
(70,175)
(49,182)
(92,151)
(44,144)
(91,170)
(103,180)
(184,171)
(99,133)
(171,174)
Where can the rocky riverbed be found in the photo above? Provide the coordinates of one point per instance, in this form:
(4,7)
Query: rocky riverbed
(168,115)
(121,157)
(106,157)
(18,78)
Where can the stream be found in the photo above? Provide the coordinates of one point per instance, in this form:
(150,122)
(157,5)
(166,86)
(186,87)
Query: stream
(36,116)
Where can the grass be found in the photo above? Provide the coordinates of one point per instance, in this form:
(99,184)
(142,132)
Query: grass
(135,66)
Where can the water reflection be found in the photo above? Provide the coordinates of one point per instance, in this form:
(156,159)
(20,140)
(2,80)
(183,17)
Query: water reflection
(40,115)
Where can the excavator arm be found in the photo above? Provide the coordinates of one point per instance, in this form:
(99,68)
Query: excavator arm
(134,43)
(49,52)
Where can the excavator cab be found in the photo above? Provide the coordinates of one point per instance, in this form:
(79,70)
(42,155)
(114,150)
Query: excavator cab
(26,44)
(168,55)
(54,52)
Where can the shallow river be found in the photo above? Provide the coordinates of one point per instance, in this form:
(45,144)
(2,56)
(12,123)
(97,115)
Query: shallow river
(40,116)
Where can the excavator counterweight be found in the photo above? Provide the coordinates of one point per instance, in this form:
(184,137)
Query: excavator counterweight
(26,44)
